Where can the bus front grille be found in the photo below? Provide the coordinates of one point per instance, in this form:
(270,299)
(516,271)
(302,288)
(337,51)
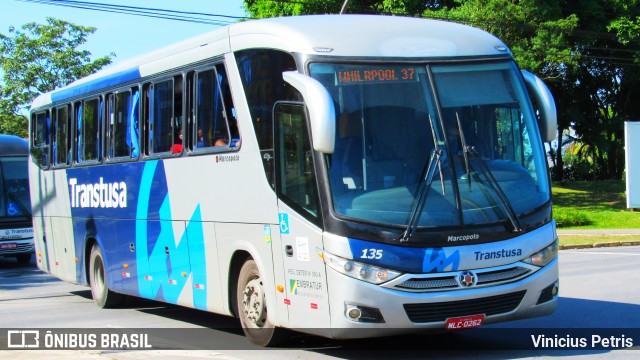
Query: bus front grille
(18,249)
(442,282)
(439,312)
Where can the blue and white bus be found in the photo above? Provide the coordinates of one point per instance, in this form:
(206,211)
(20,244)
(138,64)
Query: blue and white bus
(16,231)
(319,173)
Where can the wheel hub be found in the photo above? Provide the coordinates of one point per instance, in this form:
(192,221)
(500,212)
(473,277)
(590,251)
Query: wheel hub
(254,304)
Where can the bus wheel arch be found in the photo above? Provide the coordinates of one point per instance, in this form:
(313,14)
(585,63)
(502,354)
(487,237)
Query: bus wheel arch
(97,278)
(237,260)
(88,246)
(251,305)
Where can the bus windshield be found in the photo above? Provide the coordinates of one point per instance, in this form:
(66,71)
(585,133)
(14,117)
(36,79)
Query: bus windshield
(15,203)
(393,118)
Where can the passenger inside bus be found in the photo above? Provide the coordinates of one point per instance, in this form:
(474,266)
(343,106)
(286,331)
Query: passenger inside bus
(176,148)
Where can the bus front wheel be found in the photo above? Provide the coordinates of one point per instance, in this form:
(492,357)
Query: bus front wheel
(100,292)
(252,308)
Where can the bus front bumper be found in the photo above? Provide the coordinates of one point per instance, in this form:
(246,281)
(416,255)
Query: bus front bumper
(13,247)
(409,312)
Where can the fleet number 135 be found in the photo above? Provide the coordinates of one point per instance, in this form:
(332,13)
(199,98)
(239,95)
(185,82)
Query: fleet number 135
(371,254)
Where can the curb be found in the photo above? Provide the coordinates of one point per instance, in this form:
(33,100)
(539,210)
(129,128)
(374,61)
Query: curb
(599,245)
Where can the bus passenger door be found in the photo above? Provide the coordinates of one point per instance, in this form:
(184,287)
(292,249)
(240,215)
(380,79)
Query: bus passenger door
(301,235)
(45,255)
(64,248)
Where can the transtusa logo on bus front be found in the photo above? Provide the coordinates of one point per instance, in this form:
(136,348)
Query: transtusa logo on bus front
(98,195)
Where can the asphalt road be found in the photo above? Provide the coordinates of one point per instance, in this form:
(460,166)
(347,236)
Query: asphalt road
(599,289)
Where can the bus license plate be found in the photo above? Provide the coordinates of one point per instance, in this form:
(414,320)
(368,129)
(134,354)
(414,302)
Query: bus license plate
(8,246)
(464,322)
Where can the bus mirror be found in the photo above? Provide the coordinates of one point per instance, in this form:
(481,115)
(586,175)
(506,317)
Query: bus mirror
(322,115)
(548,122)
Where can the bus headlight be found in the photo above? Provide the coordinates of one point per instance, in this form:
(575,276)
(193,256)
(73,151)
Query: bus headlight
(544,256)
(358,270)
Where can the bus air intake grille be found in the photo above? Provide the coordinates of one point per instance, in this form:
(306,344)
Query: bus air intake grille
(439,312)
(448,282)
(486,277)
(501,275)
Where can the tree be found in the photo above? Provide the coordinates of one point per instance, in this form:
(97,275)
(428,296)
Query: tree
(38,58)
(273,8)
(588,53)
(606,83)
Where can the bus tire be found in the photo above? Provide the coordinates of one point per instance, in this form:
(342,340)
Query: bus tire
(252,308)
(100,292)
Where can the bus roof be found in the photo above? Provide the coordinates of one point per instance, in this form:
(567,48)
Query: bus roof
(366,36)
(11,145)
(362,36)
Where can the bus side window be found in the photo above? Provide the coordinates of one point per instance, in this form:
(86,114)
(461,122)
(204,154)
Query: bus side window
(228,107)
(123,124)
(77,143)
(160,114)
(61,136)
(296,174)
(134,124)
(177,122)
(214,124)
(165,116)
(89,120)
(146,118)
(40,138)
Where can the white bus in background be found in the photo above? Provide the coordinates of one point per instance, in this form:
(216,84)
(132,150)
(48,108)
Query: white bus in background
(16,231)
(327,174)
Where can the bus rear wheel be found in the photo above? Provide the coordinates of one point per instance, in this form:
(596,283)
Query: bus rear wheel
(252,308)
(100,292)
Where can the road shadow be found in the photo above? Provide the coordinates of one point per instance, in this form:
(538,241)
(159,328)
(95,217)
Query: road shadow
(16,276)
(576,318)
(573,318)
(9,263)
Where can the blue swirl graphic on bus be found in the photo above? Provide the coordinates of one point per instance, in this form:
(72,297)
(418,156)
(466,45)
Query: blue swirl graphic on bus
(163,263)
(437,260)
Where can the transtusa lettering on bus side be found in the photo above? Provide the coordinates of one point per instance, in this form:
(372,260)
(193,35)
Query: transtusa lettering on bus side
(98,195)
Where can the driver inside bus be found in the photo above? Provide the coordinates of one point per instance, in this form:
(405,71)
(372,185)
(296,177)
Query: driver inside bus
(347,156)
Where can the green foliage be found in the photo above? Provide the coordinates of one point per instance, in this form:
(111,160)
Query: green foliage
(569,217)
(13,124)
(577,169)
(274,8)
(586,51)
(593,205)
(536,31)
(38,58)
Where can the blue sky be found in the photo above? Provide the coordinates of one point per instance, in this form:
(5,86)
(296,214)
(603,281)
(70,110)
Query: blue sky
(125,35)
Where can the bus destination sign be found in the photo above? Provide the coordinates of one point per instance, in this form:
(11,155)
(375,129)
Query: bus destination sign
(383,74)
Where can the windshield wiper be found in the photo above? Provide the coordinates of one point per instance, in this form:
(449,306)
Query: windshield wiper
(422,194)
(491,180)
(435,163)
(465,150)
